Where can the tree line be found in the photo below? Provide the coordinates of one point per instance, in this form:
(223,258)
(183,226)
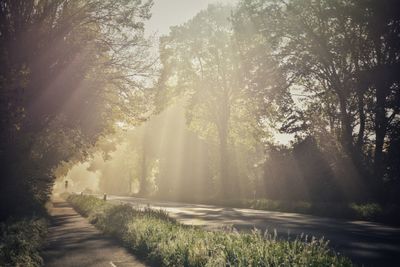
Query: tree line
(326,72)
(69,70)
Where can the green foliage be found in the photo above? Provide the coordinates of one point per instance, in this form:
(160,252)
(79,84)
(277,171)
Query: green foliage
(334,63)
(87,205)
(274,205)
(69,71)
(367,211)
(20,242)
(359,211)
(165,242)
(202,66)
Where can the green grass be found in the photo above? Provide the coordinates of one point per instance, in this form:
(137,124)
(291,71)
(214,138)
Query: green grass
(162,241)
(20,242)
(359,211)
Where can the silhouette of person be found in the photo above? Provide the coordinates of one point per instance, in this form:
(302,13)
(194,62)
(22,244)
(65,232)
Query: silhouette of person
(66,185)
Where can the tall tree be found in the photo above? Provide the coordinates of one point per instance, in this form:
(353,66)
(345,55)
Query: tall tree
(65,65)
(202,63)
(380,68)
(339,56)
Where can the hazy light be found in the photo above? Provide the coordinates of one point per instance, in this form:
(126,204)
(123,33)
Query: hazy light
(167,13)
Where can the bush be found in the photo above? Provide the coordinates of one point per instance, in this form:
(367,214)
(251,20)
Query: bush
(20,242)
(164,242)
(368,211)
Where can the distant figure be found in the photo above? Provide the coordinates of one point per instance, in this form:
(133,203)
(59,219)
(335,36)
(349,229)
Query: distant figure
(105,197)
(66,185)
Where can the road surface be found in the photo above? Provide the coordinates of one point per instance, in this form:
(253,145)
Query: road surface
(366,243)
(73,242)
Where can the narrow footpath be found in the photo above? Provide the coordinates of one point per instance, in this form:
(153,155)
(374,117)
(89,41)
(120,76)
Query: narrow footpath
(74,242)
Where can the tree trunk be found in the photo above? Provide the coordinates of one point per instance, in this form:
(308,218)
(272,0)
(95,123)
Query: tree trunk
(347,135)
(353,151)
(380,134)
(223,130)
(361,131)
(378,156)
(143,174)
(226,187)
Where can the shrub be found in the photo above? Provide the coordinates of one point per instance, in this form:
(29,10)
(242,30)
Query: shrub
(366,211)
(20,242)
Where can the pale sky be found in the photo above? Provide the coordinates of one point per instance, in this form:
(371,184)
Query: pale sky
(167,13)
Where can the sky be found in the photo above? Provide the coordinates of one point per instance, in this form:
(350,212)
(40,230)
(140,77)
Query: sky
(167,13)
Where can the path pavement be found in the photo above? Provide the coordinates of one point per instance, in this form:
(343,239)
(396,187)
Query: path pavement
(73,242)
(367,243)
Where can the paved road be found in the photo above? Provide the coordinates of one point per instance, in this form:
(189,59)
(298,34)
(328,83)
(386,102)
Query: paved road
(73,242)
(370,244)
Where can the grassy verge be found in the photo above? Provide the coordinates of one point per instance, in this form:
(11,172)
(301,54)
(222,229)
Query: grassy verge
(371,211)
(162,241)
(361,211)
(20,242)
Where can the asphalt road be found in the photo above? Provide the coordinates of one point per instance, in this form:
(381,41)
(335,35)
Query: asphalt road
(73,242)
(366,243)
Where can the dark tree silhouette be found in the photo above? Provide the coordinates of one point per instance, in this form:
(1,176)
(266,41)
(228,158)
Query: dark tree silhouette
(64,67)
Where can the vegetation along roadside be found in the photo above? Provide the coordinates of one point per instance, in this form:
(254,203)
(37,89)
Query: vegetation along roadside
(21,240)
(162,241)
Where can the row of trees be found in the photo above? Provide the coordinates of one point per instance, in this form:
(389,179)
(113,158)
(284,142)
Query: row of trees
(325,71)
(69,70)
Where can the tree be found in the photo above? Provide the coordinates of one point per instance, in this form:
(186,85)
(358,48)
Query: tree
(201,62)
(69,70)
(338,56)
(380,70)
